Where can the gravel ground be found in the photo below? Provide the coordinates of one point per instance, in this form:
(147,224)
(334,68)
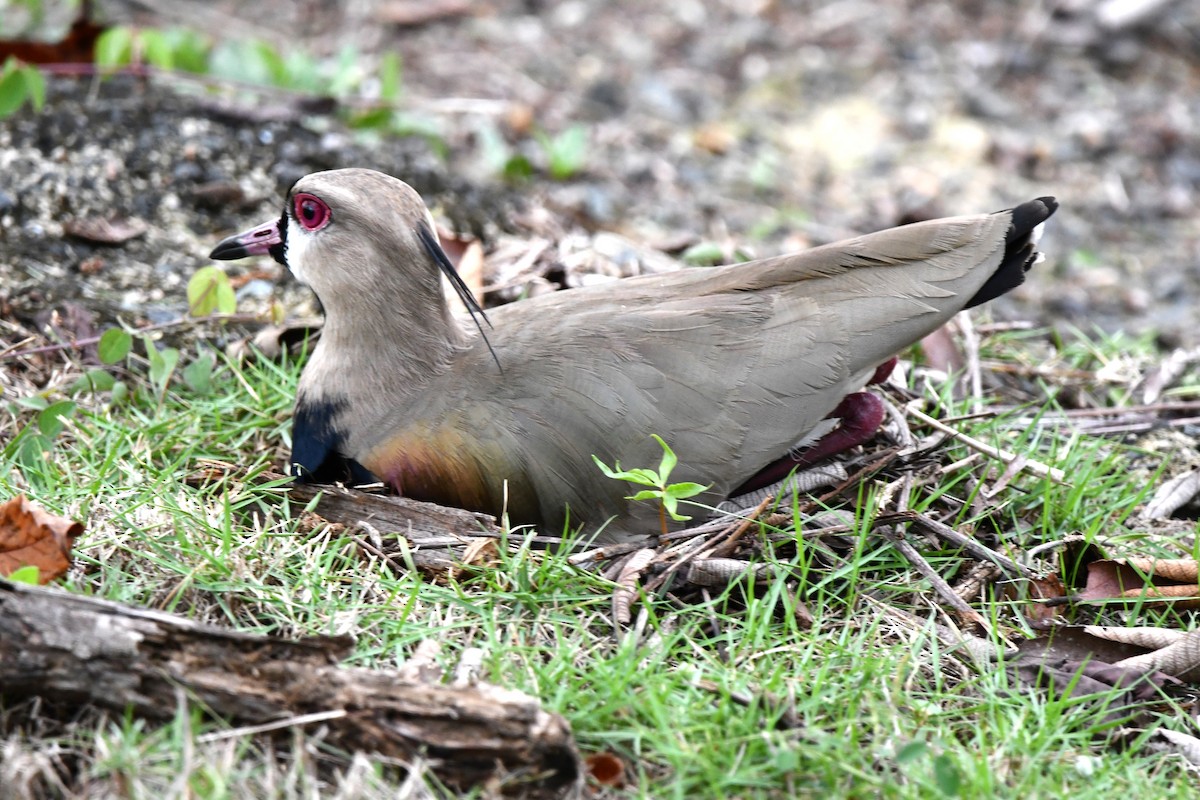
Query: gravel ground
(759,126)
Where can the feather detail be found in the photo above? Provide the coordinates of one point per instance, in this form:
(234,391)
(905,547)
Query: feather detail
(443,465)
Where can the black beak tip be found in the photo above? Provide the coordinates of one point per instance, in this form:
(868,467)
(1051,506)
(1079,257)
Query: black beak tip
(228,250)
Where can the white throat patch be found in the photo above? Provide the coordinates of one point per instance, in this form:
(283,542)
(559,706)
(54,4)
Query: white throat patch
(296,251)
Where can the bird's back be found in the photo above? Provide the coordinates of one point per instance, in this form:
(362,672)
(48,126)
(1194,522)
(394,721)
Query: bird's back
(731,366)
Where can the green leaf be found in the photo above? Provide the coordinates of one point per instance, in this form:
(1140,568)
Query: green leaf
(120,393)
(912,751)
(668,460)
(646,494)
(96,379)
(27,574)
(198,374)
(189,49)
(684,489)
(248,62)
(50,419)
(114,48)
(517,168)
(156,49)
(347,73)
(162,363)
(947,775)
(372,118)
(36,402)
(303,73)
(12,90)
(703,254)
(671,504)
(35,86)
(567,151)
(163,366)
(608,472)
(389,77)
(273,62)
(209,290)
(114,345)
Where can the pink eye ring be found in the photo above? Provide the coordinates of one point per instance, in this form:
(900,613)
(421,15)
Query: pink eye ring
(310,211)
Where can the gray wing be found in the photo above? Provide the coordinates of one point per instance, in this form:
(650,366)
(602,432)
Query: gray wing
(731,366)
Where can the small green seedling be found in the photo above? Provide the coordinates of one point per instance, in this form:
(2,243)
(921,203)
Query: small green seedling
(210,290)
(566,152)
(668,495)
(19,84)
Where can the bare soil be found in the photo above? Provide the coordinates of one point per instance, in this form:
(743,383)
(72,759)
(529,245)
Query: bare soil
(761,126)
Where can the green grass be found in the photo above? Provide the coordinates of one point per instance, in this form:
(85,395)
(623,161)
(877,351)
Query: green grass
(693,696)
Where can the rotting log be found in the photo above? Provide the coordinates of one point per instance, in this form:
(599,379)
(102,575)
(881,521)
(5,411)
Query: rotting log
(71,650)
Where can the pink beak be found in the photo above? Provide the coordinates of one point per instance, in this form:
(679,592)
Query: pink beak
(263,240)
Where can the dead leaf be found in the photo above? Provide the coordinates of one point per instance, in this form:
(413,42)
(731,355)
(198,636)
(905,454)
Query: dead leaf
(1075,644)
(32,536)
(942,352)
(1045,588)
(91,266)
(115,230)
(1069,677)
(622,599)
(716,138)
(1142,579)
(1173,495)
(414,13)
(1168,371)
(480,551)
(1148,637)
(1178,658)
(273,340)
(606,769)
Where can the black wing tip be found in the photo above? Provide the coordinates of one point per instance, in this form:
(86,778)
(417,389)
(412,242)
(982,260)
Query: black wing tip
(1028,216)
(1020,249)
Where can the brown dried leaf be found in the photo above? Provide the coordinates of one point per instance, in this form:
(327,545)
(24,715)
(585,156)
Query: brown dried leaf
(1184,744)
(1176,659)
(1078,679)
(480,551)
(32,536)
(1041,589)
(273,340)
(1173,495)
(414,13)
(606,769)
(1139,578)
(942,352)
(1150,638)
(116,230)
(1166,373)
(622,599)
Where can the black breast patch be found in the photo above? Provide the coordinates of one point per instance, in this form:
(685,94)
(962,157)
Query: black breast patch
(317,446)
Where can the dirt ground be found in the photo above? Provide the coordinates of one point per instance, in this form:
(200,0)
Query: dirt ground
(760,126)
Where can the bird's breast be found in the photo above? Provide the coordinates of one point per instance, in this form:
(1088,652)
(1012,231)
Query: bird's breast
(443,464)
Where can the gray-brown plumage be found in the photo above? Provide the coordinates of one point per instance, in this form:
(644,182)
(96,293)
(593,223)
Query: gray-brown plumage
(731,366)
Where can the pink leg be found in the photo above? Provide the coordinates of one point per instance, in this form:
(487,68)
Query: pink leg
(860,413)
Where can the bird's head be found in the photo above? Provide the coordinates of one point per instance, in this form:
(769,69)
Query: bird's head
(348,232)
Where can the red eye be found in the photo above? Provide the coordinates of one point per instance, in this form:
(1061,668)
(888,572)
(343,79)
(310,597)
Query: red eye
(310,211)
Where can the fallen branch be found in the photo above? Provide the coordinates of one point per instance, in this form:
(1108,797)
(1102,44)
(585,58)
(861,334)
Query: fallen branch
(70,650)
